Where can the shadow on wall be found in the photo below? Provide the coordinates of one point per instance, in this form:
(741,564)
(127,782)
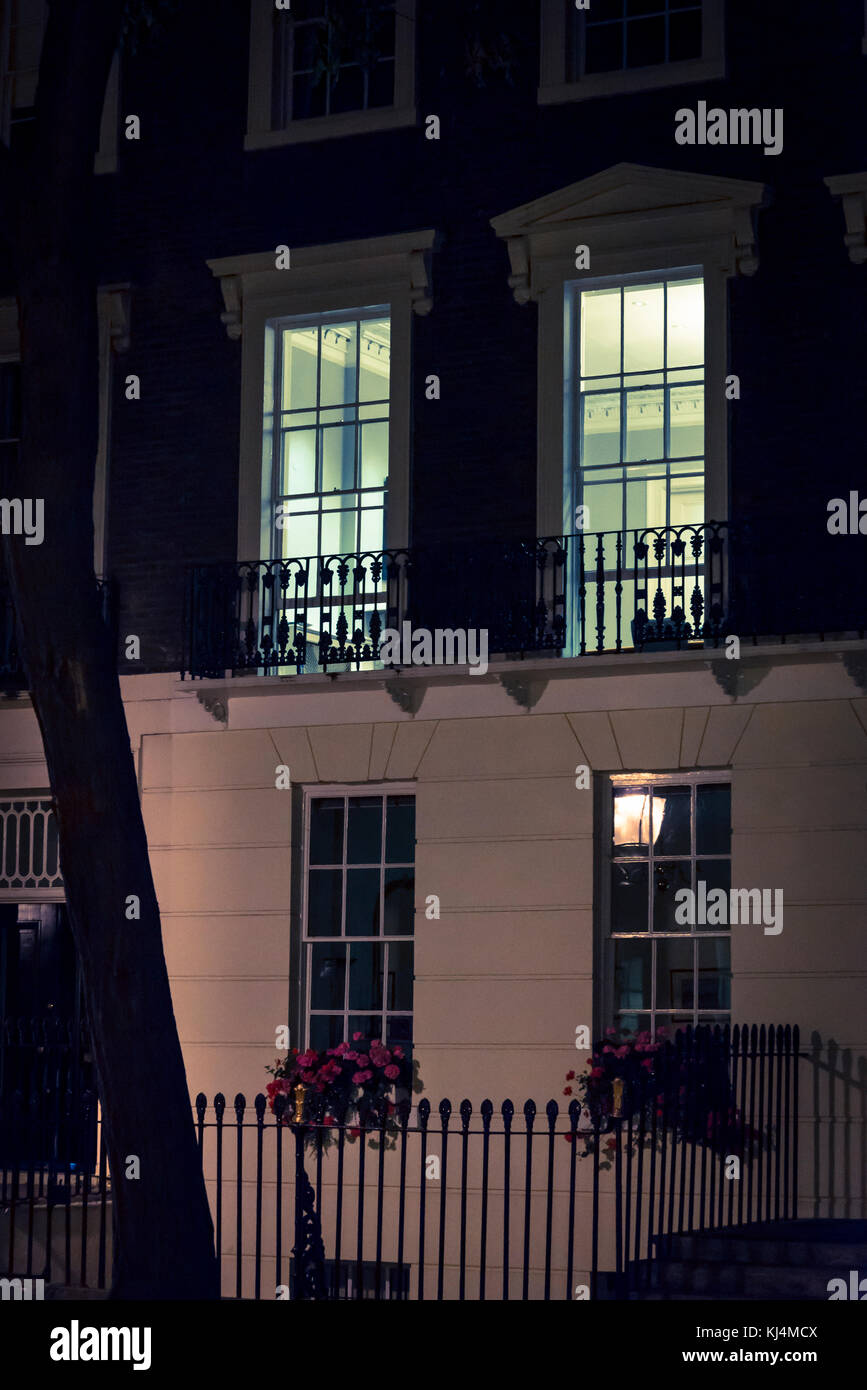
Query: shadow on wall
(833,1157)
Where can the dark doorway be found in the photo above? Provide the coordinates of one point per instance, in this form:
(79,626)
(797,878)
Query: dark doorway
(47,1076)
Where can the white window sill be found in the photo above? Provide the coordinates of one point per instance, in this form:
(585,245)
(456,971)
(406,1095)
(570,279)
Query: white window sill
(332,127)
(606,84)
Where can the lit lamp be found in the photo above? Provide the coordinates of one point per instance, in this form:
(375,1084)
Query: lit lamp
(299,1104)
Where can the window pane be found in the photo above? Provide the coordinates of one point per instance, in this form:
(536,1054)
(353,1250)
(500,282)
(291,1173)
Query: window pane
(368,1025)
(668,879)
(628,897)
(714,873)
(366,964)
(400,830)
(645,425)
(327,976)
(632,974)
(713,819)
(645,42)
(375,359)
(337,385)
(643,320)
(603,48)
(300,349)
(671,812)
(399,1030)
(374,454)
(338,458)
(685,323)
(324,901)
(326,830)
(300,533)
(600,433)
(686,421)
(675,985)
(362,902)
(399,983)
(326,1030)
(365,830)
(714,973)
(631,821)
(605,506)
(299,461)
(399,910)
(600,332)
(684,36)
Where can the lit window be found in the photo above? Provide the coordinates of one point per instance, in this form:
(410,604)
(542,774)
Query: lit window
(329,414)
(665,833)
(358,919)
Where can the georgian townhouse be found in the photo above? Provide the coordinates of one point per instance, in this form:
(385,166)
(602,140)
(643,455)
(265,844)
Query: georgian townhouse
(421,319)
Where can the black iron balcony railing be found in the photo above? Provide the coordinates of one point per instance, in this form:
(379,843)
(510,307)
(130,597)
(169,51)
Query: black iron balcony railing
(586,593)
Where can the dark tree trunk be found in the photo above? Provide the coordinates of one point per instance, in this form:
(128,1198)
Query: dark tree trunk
(165,1236)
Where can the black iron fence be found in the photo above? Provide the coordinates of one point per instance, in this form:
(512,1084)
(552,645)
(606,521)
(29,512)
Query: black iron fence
(444,1202)
(706,1139)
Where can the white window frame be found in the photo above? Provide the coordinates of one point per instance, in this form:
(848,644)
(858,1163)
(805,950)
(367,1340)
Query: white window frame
(605,974)
(554,88)
(261,136)
(341,276)
(318,793)
(635,220)
(107,155)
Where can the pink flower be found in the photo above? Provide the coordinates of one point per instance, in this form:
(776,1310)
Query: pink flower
(398,1052)
(351,1056)
(611,1032)
(392,1072)
(341,1049)
(356,1036)
(596,1072)
(359,1077)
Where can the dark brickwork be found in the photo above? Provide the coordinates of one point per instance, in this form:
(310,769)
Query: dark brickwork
(188,192)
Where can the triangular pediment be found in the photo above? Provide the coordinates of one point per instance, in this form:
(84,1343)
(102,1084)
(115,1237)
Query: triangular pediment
(623,189)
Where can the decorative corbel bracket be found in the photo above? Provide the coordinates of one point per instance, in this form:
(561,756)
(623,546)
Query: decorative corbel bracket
(216,707)
(856,668)
(406,697)
(526,691)
(519,259)
(746,250)
(735,678)
(231,317)
(419,294)
(852,190)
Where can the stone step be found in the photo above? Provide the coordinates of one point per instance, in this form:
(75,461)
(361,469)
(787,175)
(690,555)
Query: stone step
(747,1281)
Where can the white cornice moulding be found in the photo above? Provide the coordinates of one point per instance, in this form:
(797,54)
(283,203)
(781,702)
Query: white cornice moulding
(385,266)
(626,208)
(852,190)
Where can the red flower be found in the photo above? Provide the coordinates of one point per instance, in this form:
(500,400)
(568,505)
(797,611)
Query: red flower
(570,1076)
(361,1076)
(354,1132)
(568,1138)
(567,1090)
(392,1072)
(596,1072)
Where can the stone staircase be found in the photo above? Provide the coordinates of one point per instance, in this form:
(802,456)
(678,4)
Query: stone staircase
(785,1260)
